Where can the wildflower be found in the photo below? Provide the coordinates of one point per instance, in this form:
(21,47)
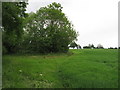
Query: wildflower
(20,71)
(40,74)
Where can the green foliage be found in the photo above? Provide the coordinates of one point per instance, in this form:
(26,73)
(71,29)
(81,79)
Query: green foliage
(48,30)
(13,14)
(85,68)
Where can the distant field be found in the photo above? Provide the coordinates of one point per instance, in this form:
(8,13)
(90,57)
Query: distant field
(86,68)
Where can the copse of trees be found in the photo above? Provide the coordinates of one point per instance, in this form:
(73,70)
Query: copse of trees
(90,46)
(112,48)
(48,30)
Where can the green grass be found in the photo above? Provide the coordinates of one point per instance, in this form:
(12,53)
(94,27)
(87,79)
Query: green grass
(95,68)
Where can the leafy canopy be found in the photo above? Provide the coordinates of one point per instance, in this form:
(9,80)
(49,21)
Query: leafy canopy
(13,14)
(48,30)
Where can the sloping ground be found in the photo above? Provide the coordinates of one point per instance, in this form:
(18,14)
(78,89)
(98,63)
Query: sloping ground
(76,69)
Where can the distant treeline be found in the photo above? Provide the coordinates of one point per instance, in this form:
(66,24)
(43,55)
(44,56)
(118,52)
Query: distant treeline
(90,46)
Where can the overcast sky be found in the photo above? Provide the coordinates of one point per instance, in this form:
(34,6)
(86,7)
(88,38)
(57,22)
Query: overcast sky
(95,20)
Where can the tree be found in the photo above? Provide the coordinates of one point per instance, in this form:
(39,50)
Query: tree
(99,46)
(91,46)
(78,47)
(13,14)
(49,30)
(111,48)
(115,48)
(73,45)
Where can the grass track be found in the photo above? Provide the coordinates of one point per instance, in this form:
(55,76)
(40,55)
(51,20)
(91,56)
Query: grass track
(86,68)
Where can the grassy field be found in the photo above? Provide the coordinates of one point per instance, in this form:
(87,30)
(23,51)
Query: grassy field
(95,68)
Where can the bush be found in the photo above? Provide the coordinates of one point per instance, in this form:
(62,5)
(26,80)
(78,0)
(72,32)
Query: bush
(86,47)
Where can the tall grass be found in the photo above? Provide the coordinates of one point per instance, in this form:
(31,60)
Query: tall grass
(96,68)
